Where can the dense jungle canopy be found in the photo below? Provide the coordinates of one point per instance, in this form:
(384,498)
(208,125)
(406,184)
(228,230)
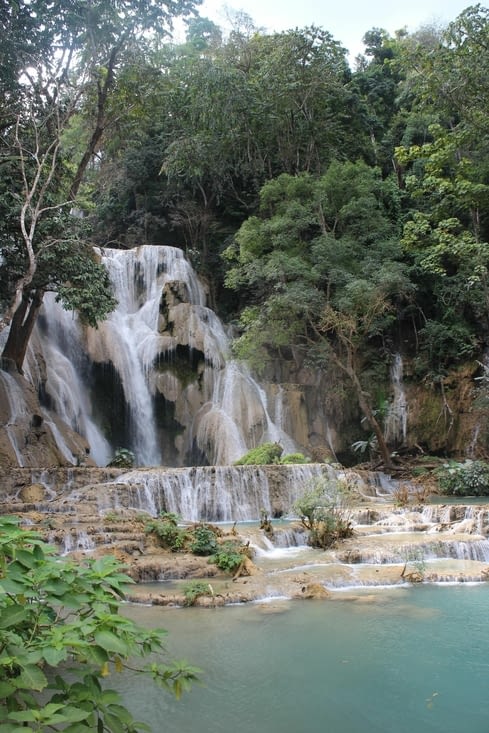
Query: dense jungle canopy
(339,214)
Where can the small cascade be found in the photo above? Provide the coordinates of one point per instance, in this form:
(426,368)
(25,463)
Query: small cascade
(373,484)
(77,540)
(478,550)
(392,549)
(236,418)
(292,536)
(210,493)
(396,420)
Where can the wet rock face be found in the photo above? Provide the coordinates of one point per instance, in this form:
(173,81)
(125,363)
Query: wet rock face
(27,438)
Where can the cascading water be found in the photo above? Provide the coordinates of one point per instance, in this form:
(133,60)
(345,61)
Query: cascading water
(66,361)
(396,419)
(154,377)
(211,493)
(17,408)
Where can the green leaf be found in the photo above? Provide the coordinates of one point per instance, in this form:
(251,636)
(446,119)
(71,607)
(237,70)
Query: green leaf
(13,587)
(57,587)
(26,558)
(31,678)
(110,697)
(114,723)
(25,716)
(75,715)
(12,615)
(54,656)
(110,642)
(6,688)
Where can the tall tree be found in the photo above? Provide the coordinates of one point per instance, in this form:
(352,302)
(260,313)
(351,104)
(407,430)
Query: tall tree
(447,180)
(323,267)
(71,67)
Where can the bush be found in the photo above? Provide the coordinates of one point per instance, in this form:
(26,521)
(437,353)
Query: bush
(464,479)
(294,458)
(169,534)
(194,589)
(323,510)
(228,557)
(261,456)
(123,458)
(61,635)
(204,540)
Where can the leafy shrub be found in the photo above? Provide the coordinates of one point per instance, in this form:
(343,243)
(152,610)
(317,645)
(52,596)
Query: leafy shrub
(204,540)
(169,534)
(262,455)
(123,458)
(59,617)
(464,479)
(228,557)
(194,589)
(295,458)
(323,510)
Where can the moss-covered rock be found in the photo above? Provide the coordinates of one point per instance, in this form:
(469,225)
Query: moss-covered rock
(262,455)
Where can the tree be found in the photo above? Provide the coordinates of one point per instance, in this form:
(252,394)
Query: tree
(324,510)
(443,169)
(323,267)
(70,68)
(61,637)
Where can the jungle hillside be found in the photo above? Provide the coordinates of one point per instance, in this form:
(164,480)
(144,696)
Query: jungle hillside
(338,212)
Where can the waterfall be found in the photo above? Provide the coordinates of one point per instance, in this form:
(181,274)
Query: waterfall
(396,419)
(210,493)
(155,376)
(17,410)
(66,364)
(236,417)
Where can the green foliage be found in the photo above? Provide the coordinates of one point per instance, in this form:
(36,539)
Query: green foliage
(294,458)
(123,458)
(46,94)
(200,539)
(447,341)
(169,534)
(464,479)
(61,635)
(194,589)
(261,455)
(368,446)
(204,540)
(323,510)
(229,556)
(324,268)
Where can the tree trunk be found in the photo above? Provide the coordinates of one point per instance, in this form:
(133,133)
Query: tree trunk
(103,89)
(365,407)
(379,434)
(21,326)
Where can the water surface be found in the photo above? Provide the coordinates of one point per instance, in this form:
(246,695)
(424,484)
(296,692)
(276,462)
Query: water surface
(399,661)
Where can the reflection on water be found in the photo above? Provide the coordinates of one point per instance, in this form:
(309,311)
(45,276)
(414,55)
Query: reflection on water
(397,661)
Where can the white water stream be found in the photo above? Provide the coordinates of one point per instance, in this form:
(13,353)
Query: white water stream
(397,415)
